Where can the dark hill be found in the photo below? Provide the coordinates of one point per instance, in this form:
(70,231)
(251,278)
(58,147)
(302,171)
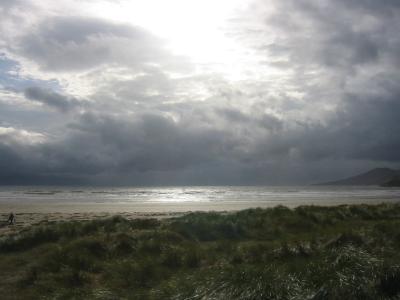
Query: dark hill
(394,182)
(378,176)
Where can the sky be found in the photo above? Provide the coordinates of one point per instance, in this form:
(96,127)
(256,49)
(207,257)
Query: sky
(185,92)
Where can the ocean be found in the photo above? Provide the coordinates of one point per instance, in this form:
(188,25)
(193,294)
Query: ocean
(300,195)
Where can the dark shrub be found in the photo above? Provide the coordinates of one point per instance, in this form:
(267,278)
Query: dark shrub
(72,278)
(172,258)
(145,223)
(192,257)
(348,238)
(29,277)
(123,244)
(389,284)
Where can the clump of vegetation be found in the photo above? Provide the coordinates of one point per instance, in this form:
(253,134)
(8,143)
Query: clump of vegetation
(310,252)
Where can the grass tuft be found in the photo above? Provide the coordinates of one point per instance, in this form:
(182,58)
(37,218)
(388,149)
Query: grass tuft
(311,252)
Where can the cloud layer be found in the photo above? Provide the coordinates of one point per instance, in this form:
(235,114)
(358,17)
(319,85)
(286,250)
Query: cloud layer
(305,91)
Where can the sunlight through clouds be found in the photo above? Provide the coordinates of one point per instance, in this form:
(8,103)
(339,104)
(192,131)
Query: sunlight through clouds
(223,90)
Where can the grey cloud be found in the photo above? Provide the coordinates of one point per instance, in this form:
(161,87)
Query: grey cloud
(5,5)
(263,120)
(329,34)
(271,122)
(384,7)
(149,89)
(234,115)
(52,99)
(334,110)
(371,125)
(77,43)
(342,57)
(363,129)
(104,145)
(151,142)
(150,148)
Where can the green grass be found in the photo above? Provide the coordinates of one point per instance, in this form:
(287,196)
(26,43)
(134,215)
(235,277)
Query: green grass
(343,252)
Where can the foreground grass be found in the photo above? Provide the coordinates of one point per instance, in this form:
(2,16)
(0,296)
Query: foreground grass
(344,252)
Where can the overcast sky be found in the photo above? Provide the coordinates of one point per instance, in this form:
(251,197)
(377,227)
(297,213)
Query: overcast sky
(197,92)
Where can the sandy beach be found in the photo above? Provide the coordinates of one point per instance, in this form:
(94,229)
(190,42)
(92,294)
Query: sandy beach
(31,214)
(26,219)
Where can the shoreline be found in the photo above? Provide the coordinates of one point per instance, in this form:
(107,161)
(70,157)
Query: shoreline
(174,206)
(28,215)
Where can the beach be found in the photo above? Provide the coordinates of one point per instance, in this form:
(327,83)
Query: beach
(36,205)
(33,214)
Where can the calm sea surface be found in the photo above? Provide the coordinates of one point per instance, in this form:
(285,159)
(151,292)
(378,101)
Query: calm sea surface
(204,194)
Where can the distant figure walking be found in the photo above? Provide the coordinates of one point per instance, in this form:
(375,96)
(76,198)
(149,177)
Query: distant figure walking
(11,219)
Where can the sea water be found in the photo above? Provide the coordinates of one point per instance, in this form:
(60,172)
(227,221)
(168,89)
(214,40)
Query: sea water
(301,195)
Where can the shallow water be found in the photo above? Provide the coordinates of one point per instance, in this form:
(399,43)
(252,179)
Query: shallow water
(196,195)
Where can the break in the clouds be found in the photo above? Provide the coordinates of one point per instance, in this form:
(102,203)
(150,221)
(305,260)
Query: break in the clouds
(197,92)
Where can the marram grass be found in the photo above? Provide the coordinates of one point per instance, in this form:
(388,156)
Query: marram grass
(343,252)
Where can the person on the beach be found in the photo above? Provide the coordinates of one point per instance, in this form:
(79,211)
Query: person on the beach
(11,219)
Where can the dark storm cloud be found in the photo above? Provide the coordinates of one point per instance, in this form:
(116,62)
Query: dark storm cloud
(334,106)
(369,126)
(103,145)
(364,128)
(386,7)
(52,99)
(150,141)
(153,146)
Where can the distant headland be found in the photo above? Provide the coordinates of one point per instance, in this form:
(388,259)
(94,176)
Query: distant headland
(380,176)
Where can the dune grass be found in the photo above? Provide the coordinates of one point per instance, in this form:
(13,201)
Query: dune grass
(343,252)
